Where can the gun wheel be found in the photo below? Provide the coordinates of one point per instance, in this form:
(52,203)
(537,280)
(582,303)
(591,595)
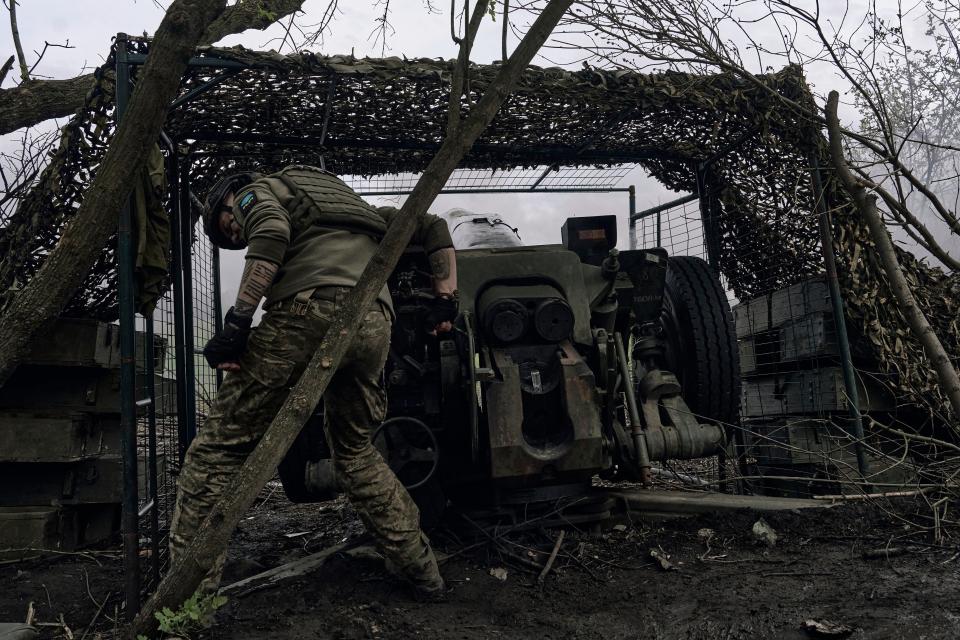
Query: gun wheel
(701,345)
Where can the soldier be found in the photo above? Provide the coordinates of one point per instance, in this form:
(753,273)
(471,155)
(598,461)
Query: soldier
(308,238)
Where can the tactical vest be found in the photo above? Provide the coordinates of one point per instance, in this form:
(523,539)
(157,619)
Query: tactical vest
(323,200)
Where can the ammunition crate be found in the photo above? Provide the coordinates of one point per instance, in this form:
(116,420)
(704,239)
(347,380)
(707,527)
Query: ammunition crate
(752,316)
(797,440)
(27,531)
(817,391)
(91,343)
(812,336)
(76,389)
(68,438)
(799,300)
(94,481)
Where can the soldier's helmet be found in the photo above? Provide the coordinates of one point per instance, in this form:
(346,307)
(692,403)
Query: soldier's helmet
(213,205)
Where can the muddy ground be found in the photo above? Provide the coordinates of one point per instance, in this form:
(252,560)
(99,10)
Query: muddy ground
(722,584)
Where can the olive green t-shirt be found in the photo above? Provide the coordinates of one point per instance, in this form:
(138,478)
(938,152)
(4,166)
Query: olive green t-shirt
(315,256)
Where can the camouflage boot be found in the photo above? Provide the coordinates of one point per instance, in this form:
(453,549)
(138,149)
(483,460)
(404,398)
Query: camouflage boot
(421,572)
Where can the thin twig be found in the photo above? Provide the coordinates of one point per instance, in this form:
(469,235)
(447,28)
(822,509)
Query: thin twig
(870,496)
(529,564)
(886,552)
(96,615)
(66,629)
(551,559)
(584,566)
(47,45)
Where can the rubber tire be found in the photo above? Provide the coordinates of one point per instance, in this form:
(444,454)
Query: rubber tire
(701,342)
(310,445)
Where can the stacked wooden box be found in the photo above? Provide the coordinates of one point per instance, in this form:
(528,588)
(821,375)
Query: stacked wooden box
(60,457)
(794,402)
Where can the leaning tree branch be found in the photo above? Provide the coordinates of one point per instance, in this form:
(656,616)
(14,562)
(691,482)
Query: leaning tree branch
(214,535)
(505,29)
(867,207)
(5,69)
(44,297)
(15,32)
(35,101)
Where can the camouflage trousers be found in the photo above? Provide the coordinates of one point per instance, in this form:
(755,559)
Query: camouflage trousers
(354,404)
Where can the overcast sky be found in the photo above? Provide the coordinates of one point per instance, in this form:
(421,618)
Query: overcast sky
(90,24)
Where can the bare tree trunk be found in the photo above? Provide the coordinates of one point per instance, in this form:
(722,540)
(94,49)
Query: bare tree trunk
(867,206)
(214,535)
(34,101)
(42,300)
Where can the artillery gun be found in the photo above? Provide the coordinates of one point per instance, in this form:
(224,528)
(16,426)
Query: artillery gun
(567,362)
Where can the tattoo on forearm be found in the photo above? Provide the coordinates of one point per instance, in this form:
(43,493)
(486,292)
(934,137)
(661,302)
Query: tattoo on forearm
(256,280)
(440,264)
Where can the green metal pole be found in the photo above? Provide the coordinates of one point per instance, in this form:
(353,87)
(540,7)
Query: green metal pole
(182,359)
(708,216)
(152,472)
(217,303)
(633,209)
(839,318)
(659,234)
(186,266)
(128,372)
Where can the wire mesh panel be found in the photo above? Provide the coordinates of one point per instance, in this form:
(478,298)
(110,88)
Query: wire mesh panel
(157,435)
(162,414)
(680,231)
(206,318)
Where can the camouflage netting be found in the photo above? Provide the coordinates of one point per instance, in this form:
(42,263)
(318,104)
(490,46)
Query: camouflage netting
(870,304)
(385,116)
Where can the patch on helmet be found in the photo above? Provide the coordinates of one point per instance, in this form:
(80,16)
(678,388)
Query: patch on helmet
(247,202)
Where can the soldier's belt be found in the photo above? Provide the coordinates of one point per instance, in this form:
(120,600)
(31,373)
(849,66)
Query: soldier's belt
(325,293)
(299,303)
(331,294)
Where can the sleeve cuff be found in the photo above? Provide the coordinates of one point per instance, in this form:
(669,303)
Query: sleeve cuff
(269,249)
(434,249)
(437,237)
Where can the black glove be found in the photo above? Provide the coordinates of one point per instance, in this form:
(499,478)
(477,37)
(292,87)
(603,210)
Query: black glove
(228,345)
(441,310)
